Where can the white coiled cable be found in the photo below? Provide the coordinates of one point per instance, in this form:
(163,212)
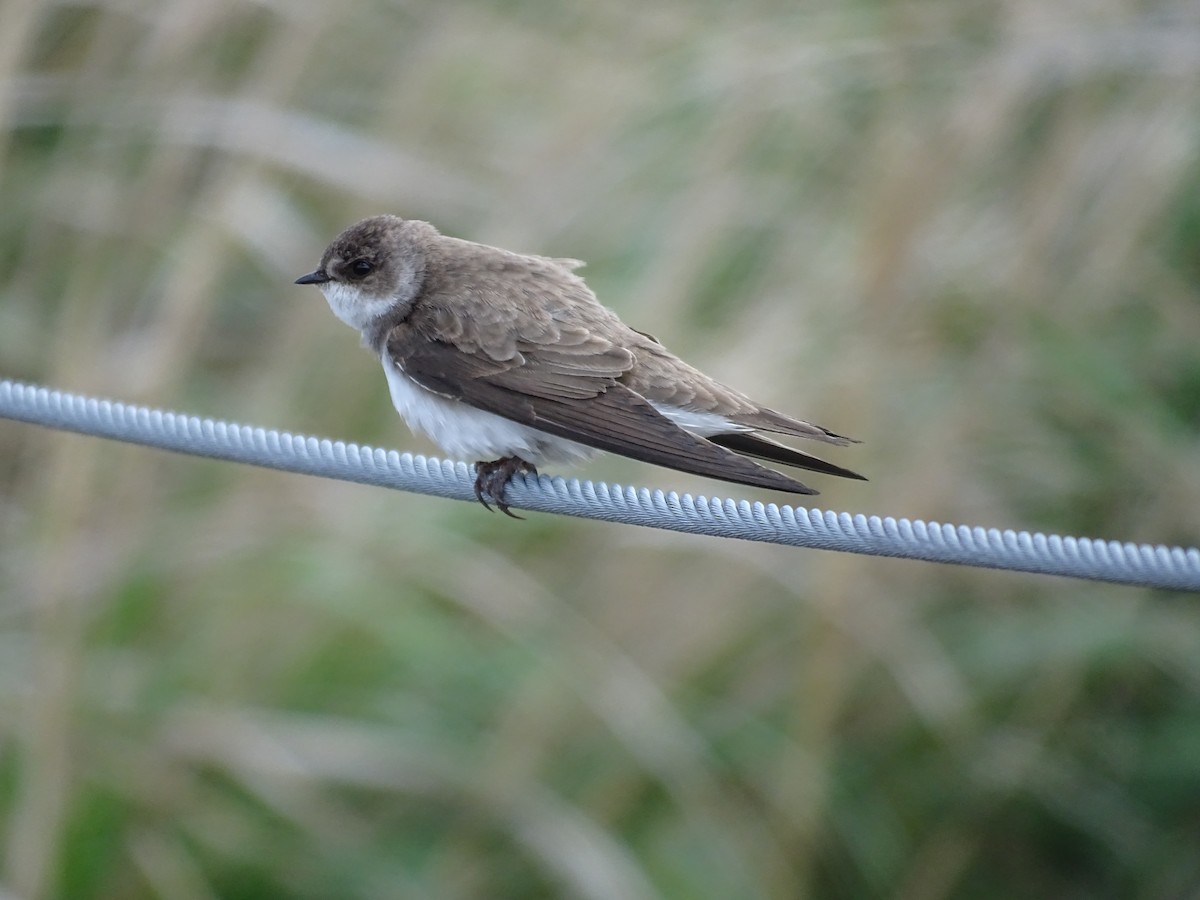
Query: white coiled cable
(1174,568)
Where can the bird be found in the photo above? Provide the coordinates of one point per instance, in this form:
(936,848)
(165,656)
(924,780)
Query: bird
(509,360)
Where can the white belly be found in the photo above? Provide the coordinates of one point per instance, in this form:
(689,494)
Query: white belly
(464,432)
(471,434)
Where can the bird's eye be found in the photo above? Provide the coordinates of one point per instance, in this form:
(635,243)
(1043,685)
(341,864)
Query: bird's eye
(361,268)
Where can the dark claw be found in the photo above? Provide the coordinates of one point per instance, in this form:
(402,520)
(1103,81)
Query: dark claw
(491,478)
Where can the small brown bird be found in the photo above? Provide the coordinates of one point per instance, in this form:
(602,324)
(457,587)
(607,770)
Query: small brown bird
(510,360)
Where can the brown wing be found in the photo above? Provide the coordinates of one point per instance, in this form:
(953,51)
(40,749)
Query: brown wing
(504,303)
(572,397)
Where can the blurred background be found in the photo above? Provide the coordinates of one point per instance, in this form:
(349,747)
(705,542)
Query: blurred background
(966,233)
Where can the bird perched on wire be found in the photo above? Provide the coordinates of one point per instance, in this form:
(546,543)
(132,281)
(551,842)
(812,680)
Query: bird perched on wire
(510,360)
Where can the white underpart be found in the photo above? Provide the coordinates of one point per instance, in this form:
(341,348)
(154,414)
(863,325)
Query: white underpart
(465,432)
(352,307)
(698,421)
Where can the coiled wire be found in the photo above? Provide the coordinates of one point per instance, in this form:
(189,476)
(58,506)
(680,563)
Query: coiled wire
(1175,568)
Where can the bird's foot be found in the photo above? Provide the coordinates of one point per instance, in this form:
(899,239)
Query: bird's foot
(491,478)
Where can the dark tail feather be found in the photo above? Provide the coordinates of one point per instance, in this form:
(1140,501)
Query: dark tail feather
(771,451)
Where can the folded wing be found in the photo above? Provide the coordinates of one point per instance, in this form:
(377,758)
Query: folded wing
(578,401)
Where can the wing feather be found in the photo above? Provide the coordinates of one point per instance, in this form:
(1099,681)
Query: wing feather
(594,410)
(772,451)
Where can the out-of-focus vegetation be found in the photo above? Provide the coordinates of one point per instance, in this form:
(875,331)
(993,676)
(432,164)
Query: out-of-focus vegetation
(967,233)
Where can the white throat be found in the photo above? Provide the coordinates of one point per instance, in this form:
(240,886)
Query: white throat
(354,307)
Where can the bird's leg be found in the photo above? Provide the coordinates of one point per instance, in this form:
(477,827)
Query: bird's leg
(491,478)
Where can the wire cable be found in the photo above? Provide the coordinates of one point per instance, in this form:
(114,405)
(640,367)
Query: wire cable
(1174,568)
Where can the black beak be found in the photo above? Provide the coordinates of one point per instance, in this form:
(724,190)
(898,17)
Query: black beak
(317,277)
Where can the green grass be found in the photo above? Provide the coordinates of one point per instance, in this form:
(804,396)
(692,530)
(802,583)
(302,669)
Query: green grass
(966,234)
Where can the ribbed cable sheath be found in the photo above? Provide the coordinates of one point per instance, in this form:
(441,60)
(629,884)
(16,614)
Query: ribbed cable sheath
(1122,563)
